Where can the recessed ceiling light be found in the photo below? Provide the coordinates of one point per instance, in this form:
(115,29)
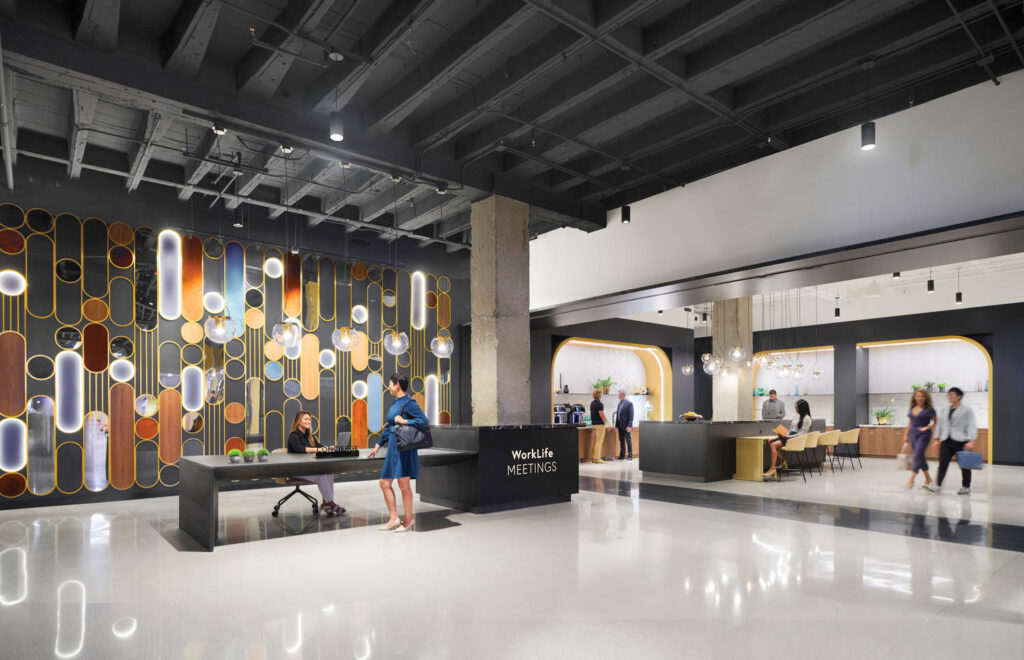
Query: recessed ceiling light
(219,129)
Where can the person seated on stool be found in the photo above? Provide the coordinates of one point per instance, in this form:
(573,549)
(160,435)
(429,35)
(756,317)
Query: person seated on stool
(800,425)
(624,425)
(302,441)
(401,465)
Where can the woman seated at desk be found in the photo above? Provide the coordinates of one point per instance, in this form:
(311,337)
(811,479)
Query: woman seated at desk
(800,425)
(302,441)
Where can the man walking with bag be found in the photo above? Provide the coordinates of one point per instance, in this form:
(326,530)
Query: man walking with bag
(956,431)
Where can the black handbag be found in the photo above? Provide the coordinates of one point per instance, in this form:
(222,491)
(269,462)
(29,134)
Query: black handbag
(409,437)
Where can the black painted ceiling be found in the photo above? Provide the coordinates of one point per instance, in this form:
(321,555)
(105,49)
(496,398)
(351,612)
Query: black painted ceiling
(575,106)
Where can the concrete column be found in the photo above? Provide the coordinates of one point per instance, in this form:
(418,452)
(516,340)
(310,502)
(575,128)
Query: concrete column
(733,387)
(499,268)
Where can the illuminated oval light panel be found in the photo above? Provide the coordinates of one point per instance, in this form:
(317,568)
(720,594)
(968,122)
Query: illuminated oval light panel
(124,627)
(168,274)
(327,358)
(13,445)
(418,302)
(12,283)
(345,339)
(360,389)
(273,268)
(213,302)
(69,391)
(122,370)
(359,314)
(432,398)
(192,388)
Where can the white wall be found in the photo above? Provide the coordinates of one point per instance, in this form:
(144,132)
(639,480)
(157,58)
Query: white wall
(958,158)
(580,366)
(819,393)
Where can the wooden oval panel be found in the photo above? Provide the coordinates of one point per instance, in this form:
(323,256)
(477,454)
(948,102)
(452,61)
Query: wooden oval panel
(309,367)
(254,408)
(234,413)
(95,340)
(146,428)
(445,417)
(192,277)
(12,366)
(192,332)
(121,233)
(11,241)
(234,443)
(361,353)
(95,310)
(444,311)
(170,426)
(39,274)
(359,431)
(122,435)
(12,484)
(292,286)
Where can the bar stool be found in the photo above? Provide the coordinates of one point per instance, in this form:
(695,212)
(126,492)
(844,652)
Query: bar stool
(795,448)
(810,445)
(829,441)
(849,440)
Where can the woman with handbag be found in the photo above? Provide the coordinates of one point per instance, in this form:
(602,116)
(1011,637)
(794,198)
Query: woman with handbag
(919,433)
(401,465)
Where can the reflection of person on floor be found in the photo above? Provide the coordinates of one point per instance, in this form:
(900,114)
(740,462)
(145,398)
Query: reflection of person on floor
(799,426)
(598,423)
(919,433)
(302,441)
(956,431)
(624,425)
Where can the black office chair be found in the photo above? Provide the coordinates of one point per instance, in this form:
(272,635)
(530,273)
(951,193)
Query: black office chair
(298,483)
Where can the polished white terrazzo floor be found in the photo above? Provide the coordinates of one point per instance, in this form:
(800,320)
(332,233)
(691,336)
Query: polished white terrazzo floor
(606,576)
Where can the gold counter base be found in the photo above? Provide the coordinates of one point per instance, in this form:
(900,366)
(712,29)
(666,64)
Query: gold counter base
(750,457)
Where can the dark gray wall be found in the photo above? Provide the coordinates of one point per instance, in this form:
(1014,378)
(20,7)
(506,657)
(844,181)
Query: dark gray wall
(676,342)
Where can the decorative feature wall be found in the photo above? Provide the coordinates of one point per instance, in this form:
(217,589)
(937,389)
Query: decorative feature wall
(108,374)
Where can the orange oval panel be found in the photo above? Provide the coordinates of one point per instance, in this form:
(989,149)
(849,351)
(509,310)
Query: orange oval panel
(146,428)
(359,420)
(12,484)
(234,413)
(192,332)
(170,426)
(234,443)
(444,418)
(122,436)
(120,233)
(95,310)
(292,286)
(359,271)
(94,348)
(12,366)
(11,241)
(444,310)
(254,319)
(361,353)
(309,367)
(191,278)
(273,351)
(431,299)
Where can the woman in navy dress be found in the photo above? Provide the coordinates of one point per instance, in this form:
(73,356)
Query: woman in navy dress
(919,433)
(401,465)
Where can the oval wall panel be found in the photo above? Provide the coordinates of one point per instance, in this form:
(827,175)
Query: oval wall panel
(95,310)
(272,297)
(94,258)
(375,403)
(234,285)
(13,445)
(254,408)
(253,266)
(170,426)
(70,391)
(444,310)
(12,484)
(192,388)
(168,274)
(69,467)
(68,237)
(122,436)
(121,233)
(147,466)
(41,445)
(432,399)
(359,431)
(309,367)
(122,302)
(418,300)
(292,285)
(97,426)
(146,428)
(12,366)
(95,339)
(40,275)
(191,277)
(326,288)
(361,353)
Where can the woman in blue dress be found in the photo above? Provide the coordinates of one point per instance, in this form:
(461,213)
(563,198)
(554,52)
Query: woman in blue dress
(401,465)
(919,433)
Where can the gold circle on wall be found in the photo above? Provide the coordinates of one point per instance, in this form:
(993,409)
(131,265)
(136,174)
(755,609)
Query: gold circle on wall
(11,241)
(273,351)
(404,360)
(431,299)
(192,354)
(234,369)
(359,271)
(254,319)
(95,310)
(234,413)
(444,284)
(11,216)
(192,332)
(121,256)
(120,233)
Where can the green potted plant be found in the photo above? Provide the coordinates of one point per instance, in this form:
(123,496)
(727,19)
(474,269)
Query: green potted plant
(262,454)
(604,384)
(883,415)
(942,387)
(248,455)
(929,385)
(915,387)
(235,455)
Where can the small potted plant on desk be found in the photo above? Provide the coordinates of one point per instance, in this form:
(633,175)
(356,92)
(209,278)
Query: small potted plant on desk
(235,455)
(882,416)
(604,384)
(929,385)
(248,455)
(262,454)
(942,387)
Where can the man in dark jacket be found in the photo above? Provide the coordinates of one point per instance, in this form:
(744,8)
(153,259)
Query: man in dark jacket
(624,425)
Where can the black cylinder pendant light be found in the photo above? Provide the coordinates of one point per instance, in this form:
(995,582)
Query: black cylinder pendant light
(867,136)
(931,282)
(337,127)
(625,215)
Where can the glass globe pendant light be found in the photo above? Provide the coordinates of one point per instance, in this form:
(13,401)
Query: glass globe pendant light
(705,357)
(687,369)
(396,343)
(442,347)
(785,371)
(748,363)
(719,360)
(219,329)
(798,373)
(710,368)
(736,353)
(816,374)
(288,333)
(345,339)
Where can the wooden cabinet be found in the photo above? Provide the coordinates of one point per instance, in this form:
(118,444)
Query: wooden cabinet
(885,442)
(610,446)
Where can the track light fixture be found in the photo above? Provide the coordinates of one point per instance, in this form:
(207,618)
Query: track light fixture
(867,136)
(286,149)
(337,127)
(442,189)
(959,294)
(661,312)
(625,215)
(931,282)
(837,307)
(218,129)
(896,275)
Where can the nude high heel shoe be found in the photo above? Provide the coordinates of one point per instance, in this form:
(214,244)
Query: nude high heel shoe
(403,528)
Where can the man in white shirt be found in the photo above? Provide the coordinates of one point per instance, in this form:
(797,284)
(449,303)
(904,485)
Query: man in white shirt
(955,431)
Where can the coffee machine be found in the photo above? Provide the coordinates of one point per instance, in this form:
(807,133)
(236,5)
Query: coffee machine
(561,413)
(577,414)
